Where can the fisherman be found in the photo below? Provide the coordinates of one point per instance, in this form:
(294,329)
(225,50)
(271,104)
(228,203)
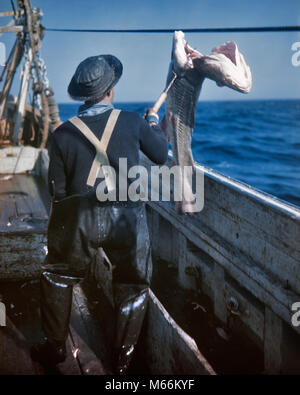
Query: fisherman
(80,224)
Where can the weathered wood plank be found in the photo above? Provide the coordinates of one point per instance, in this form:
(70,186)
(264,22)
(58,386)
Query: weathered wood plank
(14,352)
(267,231)
(270,253)
(27,194)
(8,211)
(261,226)
(254,239)
(81,319)
(23,330)
(277,218)
(15,160)
(31,193)
(169,348)
(208,235)
(23,226)
(269,291)
(13,29)
(21,255)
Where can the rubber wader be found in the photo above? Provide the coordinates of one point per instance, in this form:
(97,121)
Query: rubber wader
(78,226)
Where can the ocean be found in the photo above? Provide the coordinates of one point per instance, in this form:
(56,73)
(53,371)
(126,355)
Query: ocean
(257,142)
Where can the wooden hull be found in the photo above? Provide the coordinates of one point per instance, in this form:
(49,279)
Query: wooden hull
(242,251)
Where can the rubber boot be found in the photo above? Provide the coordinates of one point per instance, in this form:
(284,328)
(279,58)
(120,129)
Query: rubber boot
(56,303)
(49,353)
(131,303)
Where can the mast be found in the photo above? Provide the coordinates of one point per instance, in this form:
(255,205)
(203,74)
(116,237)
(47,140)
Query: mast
(29,34)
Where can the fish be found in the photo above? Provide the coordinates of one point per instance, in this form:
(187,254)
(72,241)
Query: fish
(227,67)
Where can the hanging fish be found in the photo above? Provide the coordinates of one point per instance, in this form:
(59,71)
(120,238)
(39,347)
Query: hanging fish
(227,67)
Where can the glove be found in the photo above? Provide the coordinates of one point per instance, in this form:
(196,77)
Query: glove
(151,116)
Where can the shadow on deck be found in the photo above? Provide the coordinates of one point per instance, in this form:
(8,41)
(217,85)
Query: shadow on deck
(90,338)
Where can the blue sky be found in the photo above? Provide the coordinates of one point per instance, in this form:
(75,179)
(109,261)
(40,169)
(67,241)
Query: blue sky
(146,57)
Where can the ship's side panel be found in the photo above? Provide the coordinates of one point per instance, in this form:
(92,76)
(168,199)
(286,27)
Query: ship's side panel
(241,250)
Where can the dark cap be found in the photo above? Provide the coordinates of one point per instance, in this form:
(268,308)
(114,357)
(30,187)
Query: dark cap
(94,77)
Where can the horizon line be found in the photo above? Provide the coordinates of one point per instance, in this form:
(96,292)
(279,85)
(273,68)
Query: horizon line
(200,101)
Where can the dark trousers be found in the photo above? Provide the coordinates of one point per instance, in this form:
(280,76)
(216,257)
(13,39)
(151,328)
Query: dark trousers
(77,228)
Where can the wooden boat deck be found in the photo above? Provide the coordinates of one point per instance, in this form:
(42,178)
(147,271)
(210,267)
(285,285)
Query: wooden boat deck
(22,195)
(88,341)
(24,208)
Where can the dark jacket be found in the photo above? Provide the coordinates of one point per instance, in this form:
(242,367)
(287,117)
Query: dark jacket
(72,155)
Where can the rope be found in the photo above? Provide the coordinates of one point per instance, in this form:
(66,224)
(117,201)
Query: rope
(204,30)
(13,7)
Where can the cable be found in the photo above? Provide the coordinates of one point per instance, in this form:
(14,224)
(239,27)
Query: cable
(14,9)
(204,30)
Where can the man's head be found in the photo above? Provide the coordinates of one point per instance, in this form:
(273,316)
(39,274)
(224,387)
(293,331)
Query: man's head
(109,97)
(95,78)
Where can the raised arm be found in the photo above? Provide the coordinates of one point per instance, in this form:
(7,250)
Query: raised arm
(153,142)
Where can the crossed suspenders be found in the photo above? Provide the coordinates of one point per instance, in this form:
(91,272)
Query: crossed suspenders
(101,145)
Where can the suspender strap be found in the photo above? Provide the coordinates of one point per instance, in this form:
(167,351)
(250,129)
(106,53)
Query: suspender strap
(101,145)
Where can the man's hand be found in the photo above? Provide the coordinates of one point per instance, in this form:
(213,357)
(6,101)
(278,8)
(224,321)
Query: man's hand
(151,117)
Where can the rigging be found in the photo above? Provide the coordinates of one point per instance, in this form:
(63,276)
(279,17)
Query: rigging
(261,29)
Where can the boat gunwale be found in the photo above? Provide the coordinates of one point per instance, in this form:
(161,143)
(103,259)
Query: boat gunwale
(247,190)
